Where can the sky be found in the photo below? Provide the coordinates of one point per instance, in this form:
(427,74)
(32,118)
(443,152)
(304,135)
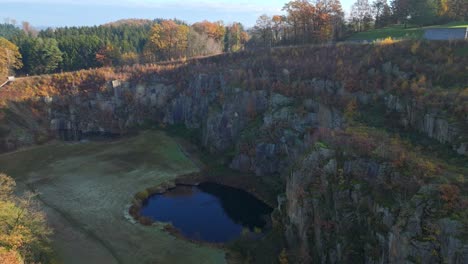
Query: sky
(55,13)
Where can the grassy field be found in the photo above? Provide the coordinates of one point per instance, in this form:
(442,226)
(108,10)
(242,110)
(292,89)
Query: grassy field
(458,24)
(86,188)
(400,32)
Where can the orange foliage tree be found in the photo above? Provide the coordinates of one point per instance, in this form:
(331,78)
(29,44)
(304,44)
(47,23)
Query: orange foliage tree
(169,39)
(214,30)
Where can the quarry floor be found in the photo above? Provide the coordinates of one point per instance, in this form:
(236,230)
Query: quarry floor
(85,189)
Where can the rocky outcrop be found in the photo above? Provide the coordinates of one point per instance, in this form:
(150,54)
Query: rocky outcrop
(432,123)
(344,209)
(276,140)
(267,130)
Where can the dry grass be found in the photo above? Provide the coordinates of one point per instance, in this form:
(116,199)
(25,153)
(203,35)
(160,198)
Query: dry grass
(87,187)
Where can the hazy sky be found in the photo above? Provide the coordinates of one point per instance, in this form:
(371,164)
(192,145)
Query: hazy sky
(95,12)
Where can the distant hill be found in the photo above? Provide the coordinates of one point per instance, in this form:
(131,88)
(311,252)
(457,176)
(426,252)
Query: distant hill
(131,21)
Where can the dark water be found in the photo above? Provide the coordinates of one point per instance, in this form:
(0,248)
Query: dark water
(208,212)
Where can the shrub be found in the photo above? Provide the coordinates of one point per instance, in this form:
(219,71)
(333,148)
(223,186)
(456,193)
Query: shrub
(450,194)
(23,227)
(9,256)
(146,221)
(143,195)
(387,41)
(134,211)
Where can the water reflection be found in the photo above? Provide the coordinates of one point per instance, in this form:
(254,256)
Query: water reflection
(208,212)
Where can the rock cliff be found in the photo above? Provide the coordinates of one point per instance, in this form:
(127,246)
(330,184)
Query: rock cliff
(345,209)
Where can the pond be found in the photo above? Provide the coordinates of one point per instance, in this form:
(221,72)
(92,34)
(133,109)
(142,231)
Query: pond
(209,212)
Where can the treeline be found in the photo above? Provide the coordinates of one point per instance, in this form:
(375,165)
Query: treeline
(305,22)
(322,21)
(82,47)
(127,42)
(380,13)
(121,43)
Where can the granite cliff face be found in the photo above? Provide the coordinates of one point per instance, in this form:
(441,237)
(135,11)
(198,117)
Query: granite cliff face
(340,205)
(344,209)
(431,122)
(264,127)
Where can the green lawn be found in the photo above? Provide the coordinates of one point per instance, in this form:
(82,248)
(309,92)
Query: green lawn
(396,32)
(400,32)
(458,24)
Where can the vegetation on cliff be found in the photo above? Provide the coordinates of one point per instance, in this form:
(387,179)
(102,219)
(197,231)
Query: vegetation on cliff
(373,105)
(23,229)
(430,73)
(10,58)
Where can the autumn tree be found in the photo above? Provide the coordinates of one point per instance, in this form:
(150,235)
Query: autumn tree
(309,22)
(329,19)
(108,55)
(29,29)
(201,44)
(214,30)
(23,229)
(10,58)
(169,39)
(351,110)
(206,38)
(283,257)
(235,37)
(129,58)
(450,194)
(7,186)
(278,27)
(300,17)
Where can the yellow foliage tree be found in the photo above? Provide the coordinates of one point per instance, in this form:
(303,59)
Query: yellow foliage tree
(23,227)
(283,257)
(214,30)
(169,38)
(10,57)
(351,110)
(10,257)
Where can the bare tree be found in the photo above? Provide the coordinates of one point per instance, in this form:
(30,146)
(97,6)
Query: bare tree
(361,15)
(382,13)
(264,29)
(278,27)
(28,29)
